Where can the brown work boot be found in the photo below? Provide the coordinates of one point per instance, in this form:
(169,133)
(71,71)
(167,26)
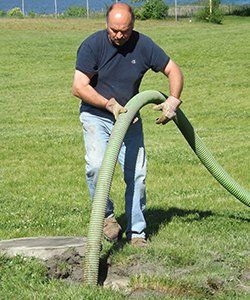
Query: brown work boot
(111,229)
(138,242)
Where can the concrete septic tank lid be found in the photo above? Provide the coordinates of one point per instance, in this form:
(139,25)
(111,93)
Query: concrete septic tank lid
(42,247)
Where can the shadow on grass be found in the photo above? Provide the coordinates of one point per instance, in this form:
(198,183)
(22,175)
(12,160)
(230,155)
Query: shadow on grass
(157,218)
(239,218)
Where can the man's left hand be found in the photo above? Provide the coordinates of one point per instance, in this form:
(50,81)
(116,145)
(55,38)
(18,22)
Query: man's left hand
(169,108)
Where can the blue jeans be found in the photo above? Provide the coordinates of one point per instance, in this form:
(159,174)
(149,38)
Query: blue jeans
(132,158)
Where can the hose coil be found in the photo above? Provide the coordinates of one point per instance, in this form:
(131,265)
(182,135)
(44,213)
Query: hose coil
(108,166)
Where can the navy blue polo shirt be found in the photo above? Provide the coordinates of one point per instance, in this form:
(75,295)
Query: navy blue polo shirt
(118,70)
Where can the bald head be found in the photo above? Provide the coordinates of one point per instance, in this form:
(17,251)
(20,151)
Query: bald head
(123,8)
(120,23)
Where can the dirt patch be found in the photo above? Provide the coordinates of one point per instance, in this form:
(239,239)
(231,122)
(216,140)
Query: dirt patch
(246,275)
(147,294)
(69,267)
(214,284)
(245,281)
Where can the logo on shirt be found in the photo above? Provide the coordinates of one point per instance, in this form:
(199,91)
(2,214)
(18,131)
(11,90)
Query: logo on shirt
(133,61)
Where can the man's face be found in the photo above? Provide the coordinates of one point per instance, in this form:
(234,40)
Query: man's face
(119,27)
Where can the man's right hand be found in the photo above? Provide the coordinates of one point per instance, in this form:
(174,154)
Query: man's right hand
(115,108)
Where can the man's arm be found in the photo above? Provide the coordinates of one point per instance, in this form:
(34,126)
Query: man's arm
(175,77)
(176,81)
(83,90)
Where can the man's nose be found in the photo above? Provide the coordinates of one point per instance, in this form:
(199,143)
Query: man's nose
(119,35)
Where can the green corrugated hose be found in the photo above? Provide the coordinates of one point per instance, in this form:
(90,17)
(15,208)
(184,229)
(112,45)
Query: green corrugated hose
(108,167)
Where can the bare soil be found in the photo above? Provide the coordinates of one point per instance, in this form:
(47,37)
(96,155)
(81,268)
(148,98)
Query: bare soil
(69,267)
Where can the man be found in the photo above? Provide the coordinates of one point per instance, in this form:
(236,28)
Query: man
(109,69)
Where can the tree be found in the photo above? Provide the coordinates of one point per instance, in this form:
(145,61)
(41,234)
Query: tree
(211,13)
(151,9)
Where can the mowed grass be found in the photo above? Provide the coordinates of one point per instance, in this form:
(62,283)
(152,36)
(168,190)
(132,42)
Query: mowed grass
(198,232)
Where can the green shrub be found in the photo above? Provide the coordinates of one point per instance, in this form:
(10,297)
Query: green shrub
(153,9)
(137,12)
(75,12)
(215,17)
(243,11)
(61,16)
(15,13)
(2,13)
(31,14)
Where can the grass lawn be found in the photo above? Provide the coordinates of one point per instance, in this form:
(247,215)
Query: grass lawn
(199,233)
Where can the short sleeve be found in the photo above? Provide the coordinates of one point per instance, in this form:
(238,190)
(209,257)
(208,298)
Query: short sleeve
(86,60)
(159,59)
